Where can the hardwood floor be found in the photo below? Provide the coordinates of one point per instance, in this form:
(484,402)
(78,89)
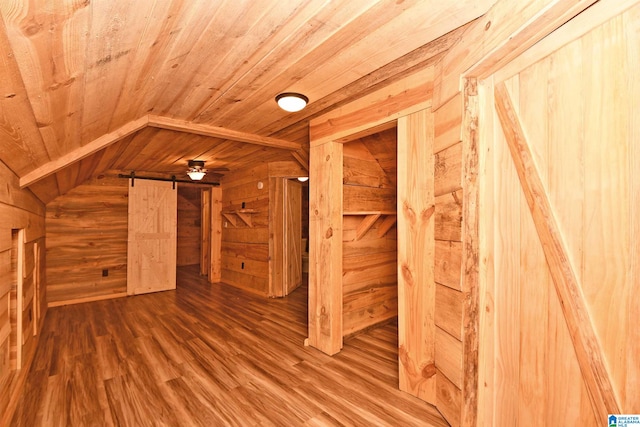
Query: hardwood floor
(209,355)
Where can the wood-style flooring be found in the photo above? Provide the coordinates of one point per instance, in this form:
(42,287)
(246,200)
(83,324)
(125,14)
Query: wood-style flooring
(209,355)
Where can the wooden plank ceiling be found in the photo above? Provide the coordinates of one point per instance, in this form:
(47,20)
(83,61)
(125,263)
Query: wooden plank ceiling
(93,86)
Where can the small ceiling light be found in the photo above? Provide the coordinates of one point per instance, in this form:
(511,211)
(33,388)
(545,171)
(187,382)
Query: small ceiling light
(292,102)
(303,178)
(196,170)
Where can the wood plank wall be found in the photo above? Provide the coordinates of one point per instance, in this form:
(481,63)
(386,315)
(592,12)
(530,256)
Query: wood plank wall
(19,209)
(445,313)
(189,223)
(245,248)
(369,269)
(448,254)
(577,103)
(86,234)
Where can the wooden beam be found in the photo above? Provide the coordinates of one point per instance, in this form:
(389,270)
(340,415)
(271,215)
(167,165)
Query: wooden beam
(215,256)
(86,150)
(302,157)
(506,31)
(416,255)
(376,111)
(470,264)
(325,247)
(220,132)
(587,347)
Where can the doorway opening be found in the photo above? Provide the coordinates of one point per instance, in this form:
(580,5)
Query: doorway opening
(189,233)
(370,249)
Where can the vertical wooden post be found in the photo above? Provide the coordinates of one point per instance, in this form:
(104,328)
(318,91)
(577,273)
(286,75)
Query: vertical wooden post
(416,255)
(277,245)
(486,276)
(215,256)
(19,296)
(205,232)
(325,247)
(470,254)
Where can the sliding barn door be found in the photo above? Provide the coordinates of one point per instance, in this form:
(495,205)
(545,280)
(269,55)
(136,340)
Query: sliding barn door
(560,342)
(151,250)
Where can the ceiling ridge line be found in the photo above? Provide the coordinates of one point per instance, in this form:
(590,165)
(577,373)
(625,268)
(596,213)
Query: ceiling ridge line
(84,151)
(221,132)
(148,120)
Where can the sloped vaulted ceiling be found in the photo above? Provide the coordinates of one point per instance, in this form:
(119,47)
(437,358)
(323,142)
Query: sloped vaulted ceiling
(81,74)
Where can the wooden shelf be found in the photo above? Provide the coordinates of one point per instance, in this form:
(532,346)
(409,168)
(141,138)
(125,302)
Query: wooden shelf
(352,213)
(243,214)
(370,218)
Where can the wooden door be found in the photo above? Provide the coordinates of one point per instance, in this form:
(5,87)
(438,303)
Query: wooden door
(151,249)
(559,230)
(285,244)
(292,235)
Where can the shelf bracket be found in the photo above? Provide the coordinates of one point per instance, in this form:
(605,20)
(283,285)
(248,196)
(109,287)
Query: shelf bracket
(230,217)
(365,225)
(386,225)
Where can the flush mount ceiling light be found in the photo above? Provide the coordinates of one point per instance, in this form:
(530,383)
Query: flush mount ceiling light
(303,178)
(196,170)
(291,101)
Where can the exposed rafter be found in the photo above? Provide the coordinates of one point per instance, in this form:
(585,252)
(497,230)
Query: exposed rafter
(220,132)
(110,138)
(86,150)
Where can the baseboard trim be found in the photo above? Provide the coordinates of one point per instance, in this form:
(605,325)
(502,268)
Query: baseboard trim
(86,299)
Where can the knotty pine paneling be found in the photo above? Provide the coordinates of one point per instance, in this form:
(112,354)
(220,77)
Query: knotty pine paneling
(246,269)
(19,209)
(86,234)
(449,300)
(369,276)
(448,169)
(448,119)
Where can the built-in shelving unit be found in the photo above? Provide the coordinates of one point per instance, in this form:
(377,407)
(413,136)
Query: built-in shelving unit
(370,218)
(243,214)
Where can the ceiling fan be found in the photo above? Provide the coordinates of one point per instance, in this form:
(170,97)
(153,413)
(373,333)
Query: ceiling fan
(197,171)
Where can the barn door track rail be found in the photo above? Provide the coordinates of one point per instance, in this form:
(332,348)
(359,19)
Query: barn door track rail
(173,179)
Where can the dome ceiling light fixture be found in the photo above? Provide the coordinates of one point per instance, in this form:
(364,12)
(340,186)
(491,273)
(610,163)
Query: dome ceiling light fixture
(291,101)
(196,170)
